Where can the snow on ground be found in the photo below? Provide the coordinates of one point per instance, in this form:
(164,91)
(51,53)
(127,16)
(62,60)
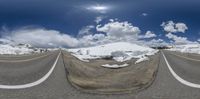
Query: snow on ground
(142,59)
(19,49)
(115,65)
(188,48)
(8,49)
(120,52)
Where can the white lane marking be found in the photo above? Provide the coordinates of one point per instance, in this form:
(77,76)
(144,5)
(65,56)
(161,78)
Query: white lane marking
(24,60)
(187,83)
(33,83)
(185,57)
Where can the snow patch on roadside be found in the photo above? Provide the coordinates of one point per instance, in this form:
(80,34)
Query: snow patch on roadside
(143,58)
(114,65)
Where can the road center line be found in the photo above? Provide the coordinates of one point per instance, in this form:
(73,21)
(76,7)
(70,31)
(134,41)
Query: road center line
(33,83)
(187,83)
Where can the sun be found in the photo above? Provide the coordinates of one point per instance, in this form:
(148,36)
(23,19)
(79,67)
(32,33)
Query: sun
(98,8)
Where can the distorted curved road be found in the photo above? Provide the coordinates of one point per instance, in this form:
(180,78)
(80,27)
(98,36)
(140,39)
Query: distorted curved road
(16,71)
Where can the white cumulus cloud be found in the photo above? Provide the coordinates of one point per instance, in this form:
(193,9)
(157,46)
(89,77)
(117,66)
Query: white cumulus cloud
(99,19)
(119,30)
(177,39)
(42,38)
(95,39)
(113,31)
(148,34)
(85,30)
(156,43)
(181,27)
(171,27)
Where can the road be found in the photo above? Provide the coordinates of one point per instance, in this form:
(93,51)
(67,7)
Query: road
(33,77)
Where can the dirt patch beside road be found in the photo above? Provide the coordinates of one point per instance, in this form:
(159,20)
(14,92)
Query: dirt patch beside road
(92,77)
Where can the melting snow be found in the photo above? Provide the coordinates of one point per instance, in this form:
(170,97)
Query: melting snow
(142,59)
(19,49)
(120,52)
(8,49)
(115,65)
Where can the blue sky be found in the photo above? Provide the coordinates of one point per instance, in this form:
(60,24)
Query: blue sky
(70,16)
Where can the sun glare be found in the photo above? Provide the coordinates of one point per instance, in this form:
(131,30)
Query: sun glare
(98,8)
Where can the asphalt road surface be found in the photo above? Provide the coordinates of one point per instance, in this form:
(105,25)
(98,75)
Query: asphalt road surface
(43,76)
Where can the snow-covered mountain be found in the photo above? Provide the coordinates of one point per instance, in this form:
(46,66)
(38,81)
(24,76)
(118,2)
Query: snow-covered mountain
(8,47)
(120,52)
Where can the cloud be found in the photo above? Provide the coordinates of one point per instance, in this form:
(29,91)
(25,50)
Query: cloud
(198,40)
(171,27)
(148,34)
(119,30)
(156,43)
(85,30)
(181,27)
(113,31)
(177,39)
(144,14)
(5,41)
(40,37)
(99,19)
(95,39)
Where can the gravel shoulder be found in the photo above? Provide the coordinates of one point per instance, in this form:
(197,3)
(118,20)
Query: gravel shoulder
(93,78)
